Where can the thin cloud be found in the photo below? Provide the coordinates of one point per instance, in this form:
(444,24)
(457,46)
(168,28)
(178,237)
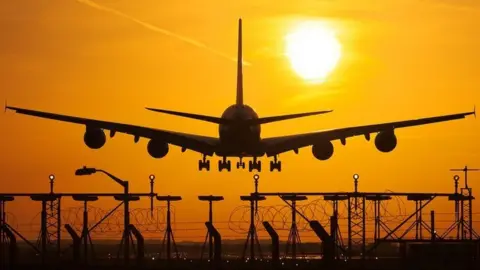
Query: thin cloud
(158,30)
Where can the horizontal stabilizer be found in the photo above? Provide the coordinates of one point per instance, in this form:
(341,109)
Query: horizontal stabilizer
(205,118)
(270,119)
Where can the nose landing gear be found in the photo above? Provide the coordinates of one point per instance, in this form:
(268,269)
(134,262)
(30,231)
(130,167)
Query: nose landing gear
(255,165)
(240,164)
(224,164)
(275,164)
(204,164)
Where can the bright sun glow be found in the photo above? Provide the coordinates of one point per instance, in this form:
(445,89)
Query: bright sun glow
(313,51)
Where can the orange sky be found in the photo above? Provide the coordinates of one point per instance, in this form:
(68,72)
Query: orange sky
(401,60)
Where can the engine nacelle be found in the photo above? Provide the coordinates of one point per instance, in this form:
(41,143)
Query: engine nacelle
(322,150)
(386,141)
(157,148)
(94,138)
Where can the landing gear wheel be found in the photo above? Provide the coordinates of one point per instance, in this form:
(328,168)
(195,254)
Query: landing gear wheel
(207,165)
(255,165)
(220,166)
(275,165)
(224,164)
(204,164)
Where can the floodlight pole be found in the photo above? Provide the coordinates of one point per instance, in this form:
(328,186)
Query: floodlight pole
(126,215)
(126,221)
(126,212)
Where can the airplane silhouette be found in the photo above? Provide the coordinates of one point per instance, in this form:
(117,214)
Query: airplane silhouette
(239,132)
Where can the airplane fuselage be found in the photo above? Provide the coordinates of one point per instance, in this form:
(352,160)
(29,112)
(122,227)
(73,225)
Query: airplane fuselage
(239,139)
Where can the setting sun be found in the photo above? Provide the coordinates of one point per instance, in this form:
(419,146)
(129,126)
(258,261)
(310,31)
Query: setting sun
(313,51)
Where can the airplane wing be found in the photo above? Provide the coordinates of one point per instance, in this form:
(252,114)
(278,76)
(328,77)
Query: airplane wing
(276,145)
(201,144)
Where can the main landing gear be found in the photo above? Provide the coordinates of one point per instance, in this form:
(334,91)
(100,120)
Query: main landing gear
(240,164)
(255,165)
(275,164)
(224,164)
(204,164)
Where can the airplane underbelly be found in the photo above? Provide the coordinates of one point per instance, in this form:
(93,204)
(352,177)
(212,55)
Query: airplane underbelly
(239,142)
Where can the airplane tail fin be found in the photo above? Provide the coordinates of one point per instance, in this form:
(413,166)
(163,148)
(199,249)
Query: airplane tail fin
(239,66)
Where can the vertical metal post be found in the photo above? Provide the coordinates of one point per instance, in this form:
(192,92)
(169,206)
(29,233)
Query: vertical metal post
(44,230)
(350,251)
(2,234)
(432,224)
(420,215)
(152,183)
(169,231)
(333,233)
(85,231)
(416,220)
(256,177)
(470,214)
(462,220)
(126,227)
(379,218)
(252,230)
(457,206)
(363,229)
(375,214)
(294,225)
(59,228)
(210,240)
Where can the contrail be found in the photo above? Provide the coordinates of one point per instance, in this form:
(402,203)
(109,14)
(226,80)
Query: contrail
(158,30)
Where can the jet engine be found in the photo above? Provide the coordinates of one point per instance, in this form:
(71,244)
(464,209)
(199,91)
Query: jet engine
(157,148)
(94,138)
(386,141)
(322,150)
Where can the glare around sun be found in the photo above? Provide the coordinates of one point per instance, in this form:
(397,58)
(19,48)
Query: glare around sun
(313,51)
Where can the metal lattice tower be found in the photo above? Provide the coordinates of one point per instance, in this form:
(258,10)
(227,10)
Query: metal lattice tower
(465,224)
(466,227)
(53,220)
(293,236)
(335,199)
(356,220)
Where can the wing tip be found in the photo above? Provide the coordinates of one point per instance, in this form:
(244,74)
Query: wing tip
(151,109)
(6,107)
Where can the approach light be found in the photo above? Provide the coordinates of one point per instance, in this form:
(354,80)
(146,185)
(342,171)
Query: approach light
(356,176)
(256,177)
(456,178)
(85,171)
(152,177)
(51,177)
